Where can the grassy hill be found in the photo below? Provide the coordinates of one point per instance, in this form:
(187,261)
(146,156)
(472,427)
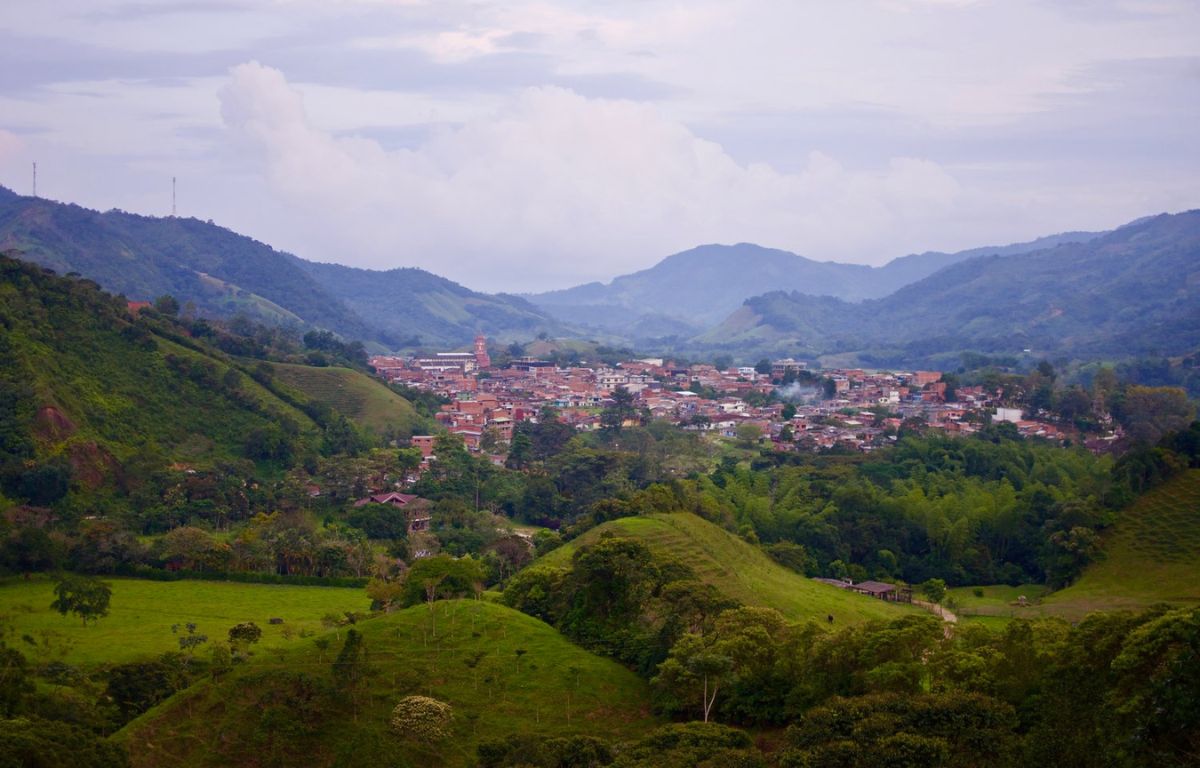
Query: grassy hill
(279,709)
(141,614)
(360,398)
(737,568)
(1151,555)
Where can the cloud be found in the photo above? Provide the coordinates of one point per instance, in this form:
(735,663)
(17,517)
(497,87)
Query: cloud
(10,144)
(554,188)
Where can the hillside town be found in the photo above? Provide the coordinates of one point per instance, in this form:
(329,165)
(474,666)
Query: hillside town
(789,403)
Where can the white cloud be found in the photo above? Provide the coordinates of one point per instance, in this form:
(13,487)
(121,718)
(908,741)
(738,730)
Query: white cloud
(555,187)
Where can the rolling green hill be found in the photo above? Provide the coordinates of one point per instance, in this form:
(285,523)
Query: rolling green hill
(501,671)
(736,568)
(88,391)
(364,400)
(1151,555)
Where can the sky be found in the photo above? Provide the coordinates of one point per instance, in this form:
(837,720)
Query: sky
(522,146)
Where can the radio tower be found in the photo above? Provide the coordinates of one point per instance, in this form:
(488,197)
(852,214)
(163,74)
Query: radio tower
(35,178)
(172,197)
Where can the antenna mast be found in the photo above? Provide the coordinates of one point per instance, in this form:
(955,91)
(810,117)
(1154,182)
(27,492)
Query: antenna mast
(172,197)
(35,178)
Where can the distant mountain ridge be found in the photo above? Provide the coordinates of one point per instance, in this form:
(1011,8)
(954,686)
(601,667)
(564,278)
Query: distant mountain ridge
(1135,290)
(224,274)
(701,286)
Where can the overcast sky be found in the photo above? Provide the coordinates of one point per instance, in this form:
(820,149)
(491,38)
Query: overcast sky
(528,145)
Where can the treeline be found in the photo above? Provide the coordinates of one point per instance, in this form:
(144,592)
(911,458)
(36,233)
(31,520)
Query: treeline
(1109,691)
(981,510)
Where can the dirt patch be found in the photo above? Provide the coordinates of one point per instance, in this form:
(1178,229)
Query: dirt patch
(92,466)
(53,424)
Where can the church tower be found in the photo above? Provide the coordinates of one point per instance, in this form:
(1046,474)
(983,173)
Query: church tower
(481,356)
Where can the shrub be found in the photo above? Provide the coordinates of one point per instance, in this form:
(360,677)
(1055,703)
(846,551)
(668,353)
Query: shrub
(422,718)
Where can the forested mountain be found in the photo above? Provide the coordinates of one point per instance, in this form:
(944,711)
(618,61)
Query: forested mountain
(224,274)
(94,400)
(1133,291)
(700,287)
(221,272)
(416,307)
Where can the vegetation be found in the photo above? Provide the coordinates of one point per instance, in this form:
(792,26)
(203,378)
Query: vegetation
(500,672)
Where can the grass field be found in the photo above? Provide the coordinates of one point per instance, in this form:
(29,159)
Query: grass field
(141,614)
(737,568)
(358,397)
(998,604)
(1151,555)
(552,687)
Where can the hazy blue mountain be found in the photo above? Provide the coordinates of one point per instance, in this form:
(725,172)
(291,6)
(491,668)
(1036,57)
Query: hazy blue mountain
(699,287)
(223,274)
(1135,290)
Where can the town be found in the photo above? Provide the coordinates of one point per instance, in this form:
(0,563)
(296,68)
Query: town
(793,406)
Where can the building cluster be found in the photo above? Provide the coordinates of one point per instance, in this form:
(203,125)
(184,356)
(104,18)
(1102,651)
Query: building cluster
(812,410)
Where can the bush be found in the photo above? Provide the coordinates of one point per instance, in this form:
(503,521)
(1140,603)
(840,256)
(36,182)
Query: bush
(422,718)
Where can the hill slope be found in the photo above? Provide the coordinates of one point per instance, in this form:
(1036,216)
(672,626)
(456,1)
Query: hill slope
(221,272)
(736,568)
(415,307)
(1152,555)
(698,288)
(280,710)
(366,401)
(85,383)
(1135,290)
(224,274)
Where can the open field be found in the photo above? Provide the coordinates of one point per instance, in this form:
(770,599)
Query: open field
(142,612)
(737,568)
(358,397)
(502,672)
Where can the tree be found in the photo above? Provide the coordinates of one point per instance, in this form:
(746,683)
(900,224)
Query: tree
(1148,413)
(422,718)
(242,636)
(86,597)
(614,416)
(934,589)
(167,305)
(763,366)
(349,667)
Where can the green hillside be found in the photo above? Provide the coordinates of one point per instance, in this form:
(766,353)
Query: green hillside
(736,568)
(1151,555)
(365,401)
(501,671)
(88,391)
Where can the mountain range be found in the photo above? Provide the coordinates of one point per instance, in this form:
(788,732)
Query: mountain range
(223,273)
(1133,291)
(698,288)
(1126,292)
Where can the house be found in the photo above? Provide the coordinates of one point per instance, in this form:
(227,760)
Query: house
(883,591)
(415,508)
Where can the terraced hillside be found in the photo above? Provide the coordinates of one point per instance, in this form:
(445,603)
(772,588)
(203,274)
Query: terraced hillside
(737,568)
(501,671)
(358,397)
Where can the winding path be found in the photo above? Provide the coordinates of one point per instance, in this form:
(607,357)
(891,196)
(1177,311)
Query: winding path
(947,615)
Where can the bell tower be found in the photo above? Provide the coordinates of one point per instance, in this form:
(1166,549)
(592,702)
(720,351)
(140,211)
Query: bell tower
(481,355)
